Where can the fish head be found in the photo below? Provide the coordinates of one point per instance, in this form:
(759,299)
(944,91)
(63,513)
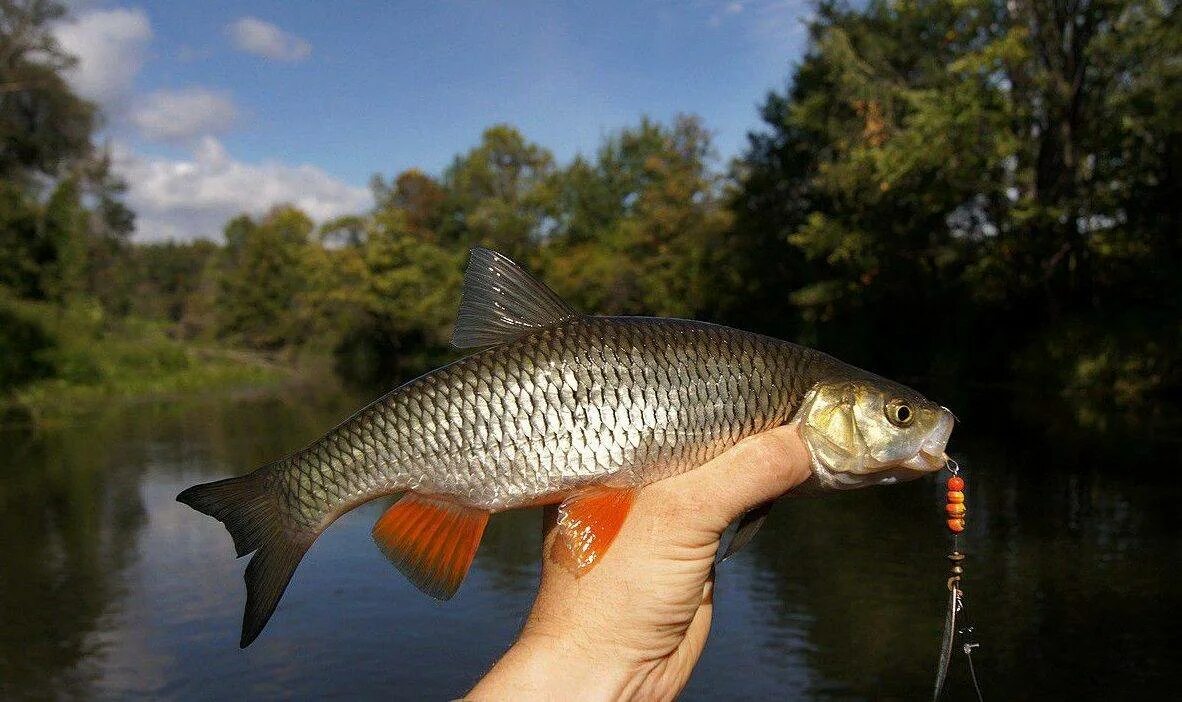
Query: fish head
(872,432)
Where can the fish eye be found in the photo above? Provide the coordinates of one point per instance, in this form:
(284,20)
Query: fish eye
(899,413)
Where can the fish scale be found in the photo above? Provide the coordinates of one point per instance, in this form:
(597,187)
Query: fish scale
(624,400)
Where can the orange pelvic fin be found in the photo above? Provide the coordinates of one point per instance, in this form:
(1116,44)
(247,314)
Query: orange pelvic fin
(588,522)
(432,541)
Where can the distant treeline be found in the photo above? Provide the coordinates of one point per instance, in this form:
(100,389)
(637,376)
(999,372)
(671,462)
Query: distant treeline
(977,192)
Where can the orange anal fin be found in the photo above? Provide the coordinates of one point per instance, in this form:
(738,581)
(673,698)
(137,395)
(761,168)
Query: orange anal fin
(588,522)
(432,541)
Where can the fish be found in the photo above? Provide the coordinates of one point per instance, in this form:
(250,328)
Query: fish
(554,406)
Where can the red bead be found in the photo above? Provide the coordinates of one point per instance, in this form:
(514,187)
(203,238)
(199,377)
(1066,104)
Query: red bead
(956,525)
(956,483)
(955,509)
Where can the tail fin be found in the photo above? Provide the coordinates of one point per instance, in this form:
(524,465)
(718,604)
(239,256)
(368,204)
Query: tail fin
(250,511)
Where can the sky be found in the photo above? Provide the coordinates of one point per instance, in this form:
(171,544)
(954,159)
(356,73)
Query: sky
(216,108)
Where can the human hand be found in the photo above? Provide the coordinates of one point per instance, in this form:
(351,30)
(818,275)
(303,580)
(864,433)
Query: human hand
(634,626)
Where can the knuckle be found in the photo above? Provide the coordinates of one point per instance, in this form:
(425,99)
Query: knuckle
(670,503)
(765,450)
(774,458)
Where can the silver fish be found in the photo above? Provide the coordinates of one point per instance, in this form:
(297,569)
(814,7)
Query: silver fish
(560,407)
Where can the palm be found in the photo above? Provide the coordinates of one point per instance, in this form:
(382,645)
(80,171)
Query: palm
(634,625)
(650,596)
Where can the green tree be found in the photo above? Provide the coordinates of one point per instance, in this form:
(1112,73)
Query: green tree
(972,164)
(66,222)
(492,194)
(420,198)
(63,228)
(345,231)
(393,295)
(21,254)
(264,294)
(163,278)
(44,126)
(640,229)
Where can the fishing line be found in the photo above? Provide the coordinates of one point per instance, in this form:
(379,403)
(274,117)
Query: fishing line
(973,671)
(956,512)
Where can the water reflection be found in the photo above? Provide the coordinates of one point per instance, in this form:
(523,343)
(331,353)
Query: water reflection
(68,524)
(111,589)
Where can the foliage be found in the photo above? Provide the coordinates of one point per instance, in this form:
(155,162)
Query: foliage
(262,301)
(639,230)
(44,126)
(973,190)
(395,298)
(62,224)
(953,166)
(24,345)
(56,357)
(636,231)
(493,195)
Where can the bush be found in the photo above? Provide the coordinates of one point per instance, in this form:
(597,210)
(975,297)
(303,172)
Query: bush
(26,345)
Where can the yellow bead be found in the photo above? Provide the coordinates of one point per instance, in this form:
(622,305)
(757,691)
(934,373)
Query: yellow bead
(955,496)
(955,509)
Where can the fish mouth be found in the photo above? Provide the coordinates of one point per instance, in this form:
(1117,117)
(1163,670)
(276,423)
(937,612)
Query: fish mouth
(921,463)
(932,454)
(930,463)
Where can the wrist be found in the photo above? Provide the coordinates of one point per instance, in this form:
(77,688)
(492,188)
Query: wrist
(544,666)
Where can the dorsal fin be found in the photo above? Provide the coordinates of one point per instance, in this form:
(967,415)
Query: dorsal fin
(500,302)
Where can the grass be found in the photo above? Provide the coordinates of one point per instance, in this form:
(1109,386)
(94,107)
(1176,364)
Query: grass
(97,360)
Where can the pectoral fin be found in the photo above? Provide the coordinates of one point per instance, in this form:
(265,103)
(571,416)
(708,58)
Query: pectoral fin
(749,524)
(588,522)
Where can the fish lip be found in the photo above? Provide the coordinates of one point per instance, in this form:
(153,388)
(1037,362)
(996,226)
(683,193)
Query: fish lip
(932,450)
(933,462)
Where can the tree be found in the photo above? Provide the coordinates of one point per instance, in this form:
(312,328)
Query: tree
(264,294)
(971,162)
(68,223)
(492,194)
(44,126)
(345,231)
(419,197)
(640,229)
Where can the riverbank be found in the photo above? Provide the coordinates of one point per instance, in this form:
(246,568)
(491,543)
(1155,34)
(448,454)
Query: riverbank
(149,368)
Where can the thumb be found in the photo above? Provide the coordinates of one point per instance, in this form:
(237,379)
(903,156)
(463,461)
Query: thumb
(756,470)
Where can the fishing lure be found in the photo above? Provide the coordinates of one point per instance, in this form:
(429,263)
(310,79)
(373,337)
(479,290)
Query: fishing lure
(956,513)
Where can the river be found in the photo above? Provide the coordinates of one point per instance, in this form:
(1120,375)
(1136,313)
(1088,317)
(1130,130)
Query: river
(110,589)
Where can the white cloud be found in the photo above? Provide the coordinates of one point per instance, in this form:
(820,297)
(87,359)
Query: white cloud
(180,115)
(194,197)
(254,36)
(110,48)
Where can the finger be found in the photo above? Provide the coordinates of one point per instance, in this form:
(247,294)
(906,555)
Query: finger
(760,468)
(694,642)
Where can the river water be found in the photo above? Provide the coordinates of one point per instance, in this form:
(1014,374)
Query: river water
(109,589)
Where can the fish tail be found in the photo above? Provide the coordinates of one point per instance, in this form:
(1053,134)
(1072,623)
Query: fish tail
(250,510)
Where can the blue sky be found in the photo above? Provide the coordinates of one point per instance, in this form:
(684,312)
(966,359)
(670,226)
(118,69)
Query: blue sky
(219,107)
